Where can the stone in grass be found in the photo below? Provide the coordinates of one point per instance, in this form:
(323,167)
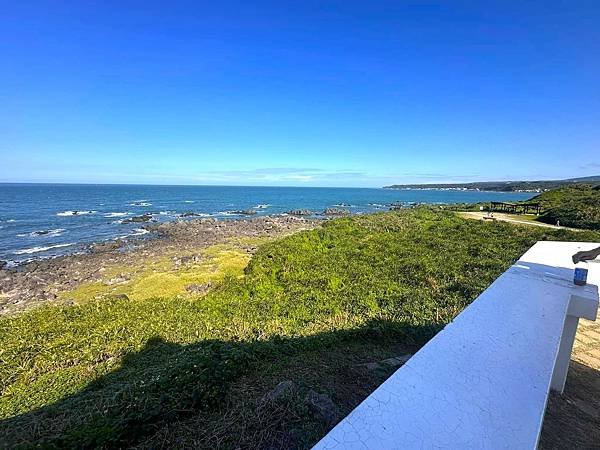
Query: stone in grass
(285,388)
(118,296)
(323,407)
(200,289)
(396,361)
(393,362)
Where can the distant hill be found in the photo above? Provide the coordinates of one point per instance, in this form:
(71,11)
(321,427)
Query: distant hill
(575,206)
(503,186)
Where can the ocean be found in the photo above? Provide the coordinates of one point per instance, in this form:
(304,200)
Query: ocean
(48,220)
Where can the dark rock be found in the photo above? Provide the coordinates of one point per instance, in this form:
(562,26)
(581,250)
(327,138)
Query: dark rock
(138,219)
(190,214)
(300,212)
(30,266)
(245,212)
(336,212)
(283,389)
(105,246)
(3,264)
(151,226)
(323,406)
(186,259)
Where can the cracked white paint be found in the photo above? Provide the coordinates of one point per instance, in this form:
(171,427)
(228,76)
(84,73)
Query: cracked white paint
(483,381)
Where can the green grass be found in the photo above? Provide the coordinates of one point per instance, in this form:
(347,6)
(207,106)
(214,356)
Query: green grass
(124,371)
(160,278)
(576,206)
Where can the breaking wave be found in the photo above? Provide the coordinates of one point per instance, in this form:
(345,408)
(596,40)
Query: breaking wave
(75,213)
(49,233)
(27,251)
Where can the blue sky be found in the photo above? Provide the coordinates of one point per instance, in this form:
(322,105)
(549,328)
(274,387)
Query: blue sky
(316,93)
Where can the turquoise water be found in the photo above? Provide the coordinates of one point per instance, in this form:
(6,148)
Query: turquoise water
(46,220)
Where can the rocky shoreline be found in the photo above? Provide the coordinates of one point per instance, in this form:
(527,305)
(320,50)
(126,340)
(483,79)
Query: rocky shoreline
(46,281)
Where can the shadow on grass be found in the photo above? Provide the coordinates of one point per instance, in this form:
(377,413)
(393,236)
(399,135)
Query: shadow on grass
(166,383)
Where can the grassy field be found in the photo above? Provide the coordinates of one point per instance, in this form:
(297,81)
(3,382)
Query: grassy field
(167,370)
(574,206)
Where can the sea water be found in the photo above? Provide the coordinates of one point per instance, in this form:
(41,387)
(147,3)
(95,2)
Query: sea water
(46,220)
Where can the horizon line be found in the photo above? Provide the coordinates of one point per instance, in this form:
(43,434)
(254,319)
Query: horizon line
(66,183)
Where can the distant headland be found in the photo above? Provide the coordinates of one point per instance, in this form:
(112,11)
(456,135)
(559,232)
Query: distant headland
(502,186)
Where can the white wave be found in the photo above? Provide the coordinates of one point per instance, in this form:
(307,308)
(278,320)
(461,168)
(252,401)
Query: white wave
(11,220)
(188,201)
(140,204)
(136,232)
(117,214)
(139,232)
(49,233)
(228,213)
(28,251)
(262,206)
(166,213)
(75,213)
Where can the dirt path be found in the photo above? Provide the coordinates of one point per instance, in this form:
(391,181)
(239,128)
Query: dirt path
(509,218)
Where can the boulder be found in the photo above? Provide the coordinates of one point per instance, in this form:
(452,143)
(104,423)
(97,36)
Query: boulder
(139,219)
(3,264)
(336,212)
(283,389)
(245,212)
(323,407)
(300,212)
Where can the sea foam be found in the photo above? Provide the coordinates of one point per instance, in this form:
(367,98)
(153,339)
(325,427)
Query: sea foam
(28,251)
(75,213)
(49,233)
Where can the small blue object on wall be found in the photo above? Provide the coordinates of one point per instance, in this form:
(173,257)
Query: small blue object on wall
(580,277)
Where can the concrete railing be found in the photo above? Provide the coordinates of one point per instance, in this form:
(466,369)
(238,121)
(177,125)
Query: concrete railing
(484,380)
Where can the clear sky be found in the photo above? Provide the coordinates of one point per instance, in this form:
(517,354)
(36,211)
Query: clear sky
(316,93)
